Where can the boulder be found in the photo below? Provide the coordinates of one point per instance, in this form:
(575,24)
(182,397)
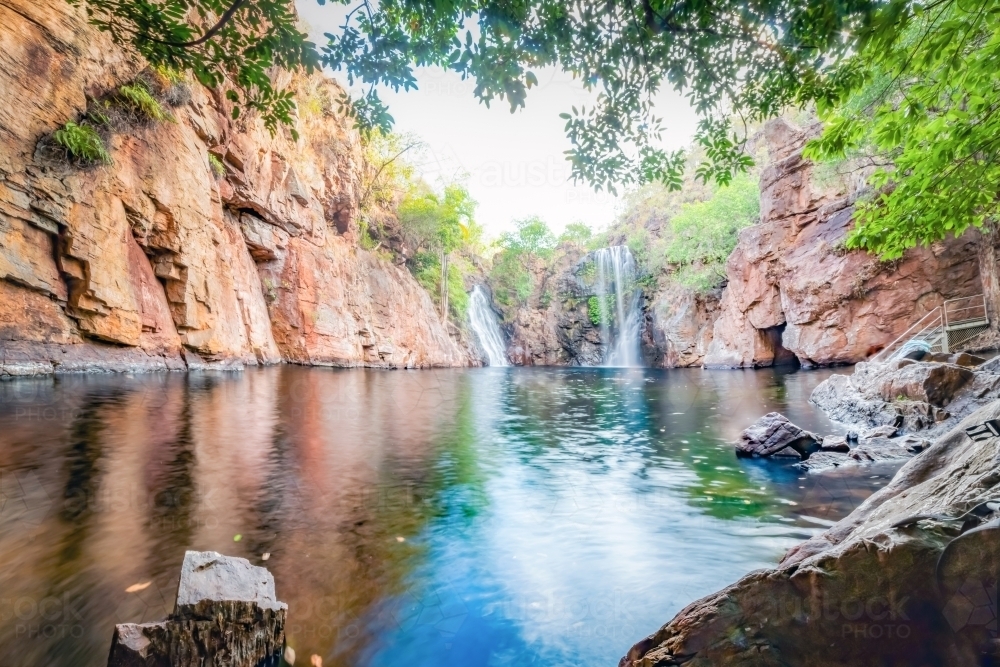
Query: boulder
(908,578)
(932,383)
(908,395)
(834,443)
(226,614)
(841,400)
(773,435)
(878,432)
(959,359)
(877,449)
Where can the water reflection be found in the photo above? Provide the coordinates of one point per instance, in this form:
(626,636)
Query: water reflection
(478,517)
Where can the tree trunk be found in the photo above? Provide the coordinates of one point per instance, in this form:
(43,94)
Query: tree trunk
(444,285)
(988,274)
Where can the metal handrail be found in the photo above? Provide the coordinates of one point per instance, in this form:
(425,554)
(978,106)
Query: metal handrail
(937,313)
(950,312)
(951,316)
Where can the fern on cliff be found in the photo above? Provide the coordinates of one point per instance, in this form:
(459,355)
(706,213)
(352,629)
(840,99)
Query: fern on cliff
(81,143)
(137,99)
(215,164)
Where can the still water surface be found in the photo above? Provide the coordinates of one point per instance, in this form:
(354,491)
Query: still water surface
(503,516)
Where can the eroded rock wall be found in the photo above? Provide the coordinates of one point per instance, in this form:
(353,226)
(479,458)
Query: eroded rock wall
(553,327)
(792,288)
(679,326)
(156,262)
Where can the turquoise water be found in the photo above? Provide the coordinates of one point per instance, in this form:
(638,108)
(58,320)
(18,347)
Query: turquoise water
(454,517)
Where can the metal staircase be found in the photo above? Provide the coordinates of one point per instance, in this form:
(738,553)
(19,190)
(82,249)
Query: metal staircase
(945,329)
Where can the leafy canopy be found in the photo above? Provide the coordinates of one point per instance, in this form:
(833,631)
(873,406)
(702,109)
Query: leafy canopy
(578,233)
(531,236)
(510,275)
(919,104)
(232,42)
(703,234)
(748,58)
(441,222)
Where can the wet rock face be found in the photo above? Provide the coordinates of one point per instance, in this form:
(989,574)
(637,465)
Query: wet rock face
(226,614)
(774,436)
(679,324)
(792,290)
(553,326)
(908,578)
(154,262)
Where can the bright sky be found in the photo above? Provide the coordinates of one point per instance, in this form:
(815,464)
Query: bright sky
(513,164)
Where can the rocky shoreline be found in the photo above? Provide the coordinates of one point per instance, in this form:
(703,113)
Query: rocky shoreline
(908,578)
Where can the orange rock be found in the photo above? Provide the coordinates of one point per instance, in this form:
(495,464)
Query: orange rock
(151,261)
(793,290)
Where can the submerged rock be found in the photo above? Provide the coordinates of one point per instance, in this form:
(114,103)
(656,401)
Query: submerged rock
(873,446)
(908,578)
(226,613)
(773,435)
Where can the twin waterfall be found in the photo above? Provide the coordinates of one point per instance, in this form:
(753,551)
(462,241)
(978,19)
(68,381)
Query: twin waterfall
(619,304)
(486,327)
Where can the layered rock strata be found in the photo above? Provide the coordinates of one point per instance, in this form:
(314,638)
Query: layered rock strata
(157,262)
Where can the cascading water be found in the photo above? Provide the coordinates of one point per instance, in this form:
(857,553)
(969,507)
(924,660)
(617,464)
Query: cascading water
(486,327)
(619,305)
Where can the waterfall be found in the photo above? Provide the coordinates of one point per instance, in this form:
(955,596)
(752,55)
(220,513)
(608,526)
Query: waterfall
(616,275)
(486,327)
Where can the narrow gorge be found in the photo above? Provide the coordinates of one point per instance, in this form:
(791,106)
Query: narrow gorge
(791,294)
(313,354)
(156,261)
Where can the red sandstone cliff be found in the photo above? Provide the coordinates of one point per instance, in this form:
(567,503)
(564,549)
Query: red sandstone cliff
(153,262)
(793,290)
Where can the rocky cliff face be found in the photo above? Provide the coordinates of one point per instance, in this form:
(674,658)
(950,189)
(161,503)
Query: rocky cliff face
(679,326)
(793,292)
(154,262)
(554,328)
